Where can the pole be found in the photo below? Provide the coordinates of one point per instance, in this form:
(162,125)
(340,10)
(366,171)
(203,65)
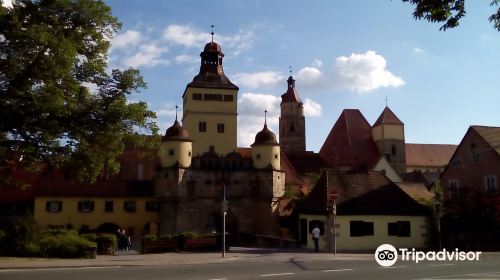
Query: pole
(224,203)
(334,229)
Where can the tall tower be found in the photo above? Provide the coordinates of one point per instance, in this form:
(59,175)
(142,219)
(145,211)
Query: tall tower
(292,121)
(210,105)
(388,132)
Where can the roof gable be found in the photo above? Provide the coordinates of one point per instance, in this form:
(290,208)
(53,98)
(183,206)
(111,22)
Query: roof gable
(350,142)
(490,134)
(388,117)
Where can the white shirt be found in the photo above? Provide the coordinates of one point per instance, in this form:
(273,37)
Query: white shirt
(315,232)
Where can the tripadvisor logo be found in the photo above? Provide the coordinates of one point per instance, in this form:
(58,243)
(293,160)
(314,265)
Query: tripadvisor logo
(387,255)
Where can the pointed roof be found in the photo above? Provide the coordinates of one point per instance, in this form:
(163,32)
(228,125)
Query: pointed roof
(350,142)
(291,94)
(387,117)
(490,134)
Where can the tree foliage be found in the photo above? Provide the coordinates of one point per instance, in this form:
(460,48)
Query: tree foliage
(448,11)
(59,107)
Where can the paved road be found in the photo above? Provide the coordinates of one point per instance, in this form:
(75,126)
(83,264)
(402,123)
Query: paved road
(270,269)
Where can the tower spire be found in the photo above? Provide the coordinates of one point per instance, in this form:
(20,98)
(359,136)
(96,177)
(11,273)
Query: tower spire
(212,33)
(265,117)
(290,67)
(386,101)
(176,112)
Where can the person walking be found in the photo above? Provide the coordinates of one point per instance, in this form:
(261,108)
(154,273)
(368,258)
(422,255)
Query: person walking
(315,236)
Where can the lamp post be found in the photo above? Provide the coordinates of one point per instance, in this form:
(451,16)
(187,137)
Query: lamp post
(438,213)
(224,211)
(332,196)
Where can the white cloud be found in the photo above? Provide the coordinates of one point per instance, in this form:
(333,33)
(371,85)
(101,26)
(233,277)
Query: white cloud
(317,63)
(362,72)
(418,50)
(127,39)
(185,35)
(310,76)
(251,107)
(185,58)
(365,72)
(148,55)
(267,79)
(189,36)
(311,108)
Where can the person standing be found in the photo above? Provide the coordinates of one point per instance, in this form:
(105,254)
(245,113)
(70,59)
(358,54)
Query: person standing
(315,236)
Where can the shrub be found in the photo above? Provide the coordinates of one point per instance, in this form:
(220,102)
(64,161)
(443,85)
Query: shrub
(63,243)
(106,243)
(167,237)
(89,236)
(151,237)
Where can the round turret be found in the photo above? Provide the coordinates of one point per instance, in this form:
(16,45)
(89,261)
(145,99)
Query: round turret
(176,147)
(266,150)
(212,47)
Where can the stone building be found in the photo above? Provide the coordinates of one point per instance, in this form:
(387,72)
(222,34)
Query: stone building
(200,162)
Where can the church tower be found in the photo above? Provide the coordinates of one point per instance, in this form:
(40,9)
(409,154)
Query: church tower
(292,121)
(210,105)
(388,132)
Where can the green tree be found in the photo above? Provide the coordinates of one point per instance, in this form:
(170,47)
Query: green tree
(59,107)
(448,11)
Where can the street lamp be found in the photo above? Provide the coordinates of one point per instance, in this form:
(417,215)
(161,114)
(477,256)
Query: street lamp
(438,212)
(332,196)
(224,211)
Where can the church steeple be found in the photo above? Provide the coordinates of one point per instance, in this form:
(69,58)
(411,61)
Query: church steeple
(211,71)
(292,121)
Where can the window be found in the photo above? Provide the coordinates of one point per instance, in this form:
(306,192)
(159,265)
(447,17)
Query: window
(399,228)
(292,127)
(86,206)
(171,152)
(212,97)
(257,156)
(53,206)
(393,150)
(220,128)
(140,171)
(473,153)
(228,98)
(360,228)
(129,206)
(109,206)
(152,206)
(202,126)
(490,183)
(453,187)
(197,96)
(276,156)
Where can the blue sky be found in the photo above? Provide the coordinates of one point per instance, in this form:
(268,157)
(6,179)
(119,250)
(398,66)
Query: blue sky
(344,54)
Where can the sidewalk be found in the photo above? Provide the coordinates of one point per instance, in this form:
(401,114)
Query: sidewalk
(134,259)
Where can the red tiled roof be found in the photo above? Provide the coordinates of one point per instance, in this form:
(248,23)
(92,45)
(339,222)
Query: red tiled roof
(292,177)
(105,188)
(436,155)
(361,194)
(387,117)
(244,152)
(490,134)
(291,94)
(350,142)
(307,162)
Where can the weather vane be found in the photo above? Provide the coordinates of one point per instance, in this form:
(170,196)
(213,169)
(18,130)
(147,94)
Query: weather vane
(265,117)
(212,26)
(386,101)
(176,112)
(290,69)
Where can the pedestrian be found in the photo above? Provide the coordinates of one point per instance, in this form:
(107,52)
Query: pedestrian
(315,236)
(129,243)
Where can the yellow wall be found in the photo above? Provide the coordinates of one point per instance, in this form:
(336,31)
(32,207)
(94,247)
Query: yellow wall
(71,215)
(182,153)
(418,237)
(268,155)
(211,112)
(388,131)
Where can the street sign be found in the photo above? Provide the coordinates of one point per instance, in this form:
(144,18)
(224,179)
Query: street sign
(333,195)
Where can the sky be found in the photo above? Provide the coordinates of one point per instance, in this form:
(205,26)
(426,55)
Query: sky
(343,55)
